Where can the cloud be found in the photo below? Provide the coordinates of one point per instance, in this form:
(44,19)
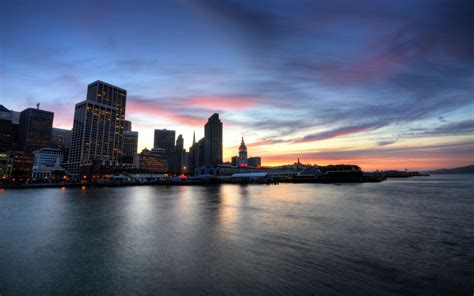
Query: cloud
(386,142)
(221,102)
(465,127)
(343,131)
(156,108)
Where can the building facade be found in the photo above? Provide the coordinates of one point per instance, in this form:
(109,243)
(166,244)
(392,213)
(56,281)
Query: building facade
(255,161)
(6,129)
(152,162)
(164,139)
(127,126)
(61,139)
(97,134)
(213,141)
(6,166)
(130,146)
(35,129)
(242,159)
(46,161)
(177,157)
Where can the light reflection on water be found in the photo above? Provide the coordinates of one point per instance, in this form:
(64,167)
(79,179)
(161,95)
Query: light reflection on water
(407,236)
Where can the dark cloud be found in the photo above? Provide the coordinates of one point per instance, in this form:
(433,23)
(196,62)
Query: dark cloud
(465,127)
(386,142)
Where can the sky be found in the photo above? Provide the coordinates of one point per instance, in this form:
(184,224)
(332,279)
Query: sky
(381,84)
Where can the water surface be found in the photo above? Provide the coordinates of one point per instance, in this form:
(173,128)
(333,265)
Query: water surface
(400,237)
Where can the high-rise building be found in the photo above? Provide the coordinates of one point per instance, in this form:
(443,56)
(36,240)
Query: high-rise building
(242,160)
(177,157)
(6,129)
(164,139)
(61,139)
(213,141)
(127,126)
(130,146)
(97,133)
(35,129)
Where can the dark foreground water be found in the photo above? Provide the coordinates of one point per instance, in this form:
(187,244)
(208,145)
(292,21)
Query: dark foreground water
(400,237)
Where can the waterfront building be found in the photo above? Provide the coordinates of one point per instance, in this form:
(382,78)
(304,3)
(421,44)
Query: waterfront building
(213,141)
(234,160)
(15,134)
(47,162)
(61,139)
(6,129)
(35,129)
(242,159)
(6,166)
(22,166)
(127,126)
(255,161)
(177,157)
(228,170)
(164,139)
(47,157)
(97,133)
(129,151)
(153,162)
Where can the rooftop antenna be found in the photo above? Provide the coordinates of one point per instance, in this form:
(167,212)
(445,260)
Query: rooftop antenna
(38,106)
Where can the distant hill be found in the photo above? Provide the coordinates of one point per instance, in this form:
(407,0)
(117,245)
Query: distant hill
(462,170)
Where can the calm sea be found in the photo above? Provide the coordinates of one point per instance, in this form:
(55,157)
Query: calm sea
(400,237)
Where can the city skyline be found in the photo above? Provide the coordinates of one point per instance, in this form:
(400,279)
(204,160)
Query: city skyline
(391,89)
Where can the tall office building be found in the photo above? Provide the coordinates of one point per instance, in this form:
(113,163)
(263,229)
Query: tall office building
(213,141)
(177,157)
(97,133)
(35,129)
(61,139)
(6,129)
(127,126)
(130,146)
(164,139)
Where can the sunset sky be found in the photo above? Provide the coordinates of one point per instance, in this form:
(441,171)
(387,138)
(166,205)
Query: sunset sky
(382,84)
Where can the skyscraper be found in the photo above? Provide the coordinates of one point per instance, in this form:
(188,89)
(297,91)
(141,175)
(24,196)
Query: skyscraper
(35,129)
(97,134)
(177,159)
(61,138)
(6,129)
(213,141)
(130,145)
(164,139)
(127,126)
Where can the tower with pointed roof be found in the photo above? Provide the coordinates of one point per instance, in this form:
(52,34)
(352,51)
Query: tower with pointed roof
(243,161)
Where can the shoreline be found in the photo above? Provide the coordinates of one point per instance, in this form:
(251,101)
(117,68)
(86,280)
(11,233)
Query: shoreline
(198,183)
